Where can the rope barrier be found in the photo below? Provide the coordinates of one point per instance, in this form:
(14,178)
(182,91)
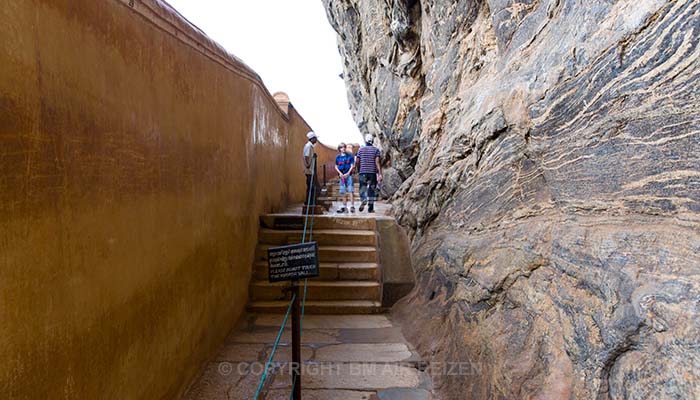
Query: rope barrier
(310,207)
(274,348)
(312,189)
(303,240)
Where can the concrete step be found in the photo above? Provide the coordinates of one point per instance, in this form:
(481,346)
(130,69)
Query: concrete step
(330,254)
(318,290)
(333,194)
(345,237)
(332,272)
(319,307)
(316,210)
(296,222)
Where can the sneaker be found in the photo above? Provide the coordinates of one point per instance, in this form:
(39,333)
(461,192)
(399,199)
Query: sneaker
(370,210)
(352,209)
(362,206)
(341,210)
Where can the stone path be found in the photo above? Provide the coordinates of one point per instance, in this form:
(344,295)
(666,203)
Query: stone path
(346,357)
(381,209)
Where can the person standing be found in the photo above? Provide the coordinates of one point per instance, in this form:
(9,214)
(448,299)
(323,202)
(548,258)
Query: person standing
(310,168)
(368,164)
(344,165)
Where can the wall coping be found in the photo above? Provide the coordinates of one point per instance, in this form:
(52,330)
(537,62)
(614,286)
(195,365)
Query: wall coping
(166,18)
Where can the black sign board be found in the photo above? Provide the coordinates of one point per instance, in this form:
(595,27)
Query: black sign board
(297,261)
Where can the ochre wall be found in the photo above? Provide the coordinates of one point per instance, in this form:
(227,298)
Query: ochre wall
(135,157)
(326,156)
(299,129)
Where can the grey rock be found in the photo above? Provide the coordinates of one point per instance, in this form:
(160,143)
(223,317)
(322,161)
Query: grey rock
(544,156)
(391,182)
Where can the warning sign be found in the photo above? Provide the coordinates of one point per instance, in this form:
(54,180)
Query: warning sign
(297,261)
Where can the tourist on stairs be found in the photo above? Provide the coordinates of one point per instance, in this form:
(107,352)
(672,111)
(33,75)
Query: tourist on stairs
(309,169)
(344,164)
(367,161)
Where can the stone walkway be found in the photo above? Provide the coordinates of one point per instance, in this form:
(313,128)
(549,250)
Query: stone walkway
(346,357)
(381,209)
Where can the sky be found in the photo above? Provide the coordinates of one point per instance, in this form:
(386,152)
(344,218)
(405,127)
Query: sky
(293,48)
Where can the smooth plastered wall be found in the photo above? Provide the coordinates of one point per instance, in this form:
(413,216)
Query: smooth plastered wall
(135,158)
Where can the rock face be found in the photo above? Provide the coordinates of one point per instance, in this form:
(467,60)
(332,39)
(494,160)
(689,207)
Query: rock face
(545,158)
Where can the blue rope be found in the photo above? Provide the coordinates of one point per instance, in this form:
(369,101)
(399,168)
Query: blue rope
(274,348)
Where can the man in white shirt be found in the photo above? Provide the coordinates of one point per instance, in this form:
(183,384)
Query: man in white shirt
(310,167)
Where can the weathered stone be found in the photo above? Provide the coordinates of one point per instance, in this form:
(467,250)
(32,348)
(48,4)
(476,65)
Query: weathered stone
(283,394)
(381,335)
(324,336)
(354,376)
(224,381)
(391,182)
(549,156)
(241,352)
(367,359)
(284,353)
(364,352)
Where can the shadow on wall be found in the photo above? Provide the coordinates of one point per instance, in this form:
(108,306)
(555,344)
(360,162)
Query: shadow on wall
(135,157)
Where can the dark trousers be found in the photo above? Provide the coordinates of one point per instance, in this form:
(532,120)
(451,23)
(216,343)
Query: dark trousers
(368,189)
(313,189)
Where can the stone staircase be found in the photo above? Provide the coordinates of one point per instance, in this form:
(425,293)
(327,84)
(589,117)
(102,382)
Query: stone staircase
(350,280)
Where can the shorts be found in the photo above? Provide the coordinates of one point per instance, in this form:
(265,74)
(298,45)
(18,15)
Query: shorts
(347,187)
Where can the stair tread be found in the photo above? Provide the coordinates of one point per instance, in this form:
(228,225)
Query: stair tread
(316,283)
(317,217)
(319,231)
(356,265)
(273,303)
(338,248)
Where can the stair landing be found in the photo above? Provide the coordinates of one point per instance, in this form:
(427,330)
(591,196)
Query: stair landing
(381,209)
(348,357)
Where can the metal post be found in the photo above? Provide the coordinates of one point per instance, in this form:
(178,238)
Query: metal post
(296,343)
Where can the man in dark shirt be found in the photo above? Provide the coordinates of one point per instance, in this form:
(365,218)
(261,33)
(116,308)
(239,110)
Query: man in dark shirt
(367,162)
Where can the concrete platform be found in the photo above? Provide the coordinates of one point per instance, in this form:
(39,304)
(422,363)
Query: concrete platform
(346,357)
(381,209)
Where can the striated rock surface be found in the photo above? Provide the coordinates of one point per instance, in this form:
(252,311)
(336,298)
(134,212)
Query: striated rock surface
(545,158)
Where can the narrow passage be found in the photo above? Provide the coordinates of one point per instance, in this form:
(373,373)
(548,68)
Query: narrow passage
(346,357)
